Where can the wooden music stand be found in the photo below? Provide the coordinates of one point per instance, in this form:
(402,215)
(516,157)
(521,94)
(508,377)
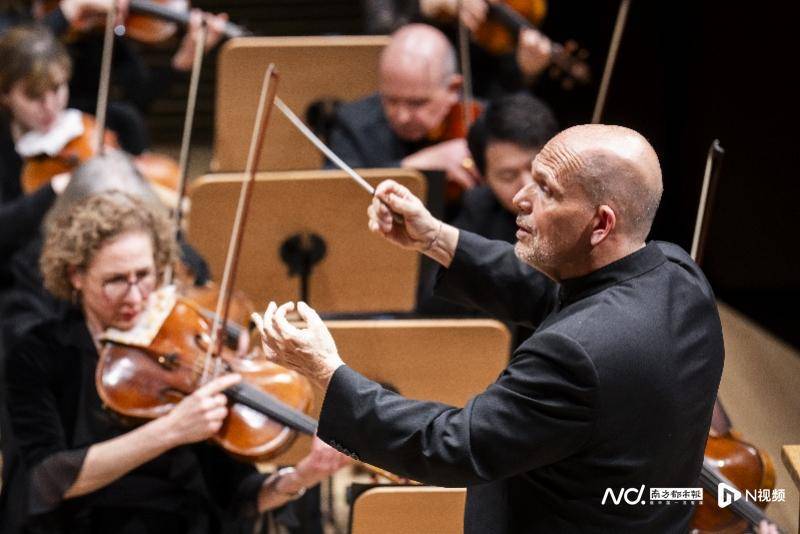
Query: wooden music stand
(445,360)
(311,68)
(409,509)
(360,272)
(791,459)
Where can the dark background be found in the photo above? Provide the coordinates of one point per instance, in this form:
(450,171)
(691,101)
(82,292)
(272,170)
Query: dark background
(687,73)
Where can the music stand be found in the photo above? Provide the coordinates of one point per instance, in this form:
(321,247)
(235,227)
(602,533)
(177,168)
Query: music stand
(444,360)
(404,509)
(360,271)
(312,69)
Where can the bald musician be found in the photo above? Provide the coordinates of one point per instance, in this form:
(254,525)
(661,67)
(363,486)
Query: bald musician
(418,84)
(614,389)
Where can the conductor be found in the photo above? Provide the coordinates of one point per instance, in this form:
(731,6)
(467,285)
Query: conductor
(613,390)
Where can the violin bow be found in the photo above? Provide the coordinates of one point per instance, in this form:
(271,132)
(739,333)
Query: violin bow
(611,60)
(706,204)
(265,103)
(105,80)
(186,138)
(466,67)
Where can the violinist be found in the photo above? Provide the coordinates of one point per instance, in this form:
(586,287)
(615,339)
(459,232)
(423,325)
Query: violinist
(417,87)
(614,389)
(27,302)
(504,141)
(34,70)
(532,54)
(136,85)
(85,470)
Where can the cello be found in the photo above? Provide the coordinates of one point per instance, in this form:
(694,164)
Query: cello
(728,459)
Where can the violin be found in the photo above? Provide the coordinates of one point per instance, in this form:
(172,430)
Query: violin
(146,380)
(506,19)
(205,296)
(155,21)
(457,122)
(159,170)
(39,170)
(152,21)
(456,125)
(497,36)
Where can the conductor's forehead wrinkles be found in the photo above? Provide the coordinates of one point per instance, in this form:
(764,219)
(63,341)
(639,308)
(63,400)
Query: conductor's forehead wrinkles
(559,160)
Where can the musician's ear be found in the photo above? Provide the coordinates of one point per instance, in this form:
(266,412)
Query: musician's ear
(75,276)
(454,84)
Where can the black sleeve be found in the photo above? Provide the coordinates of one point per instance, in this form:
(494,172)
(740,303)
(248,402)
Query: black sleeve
(540,410)
(20,218)
(468,216)
(487,275)
(34,413)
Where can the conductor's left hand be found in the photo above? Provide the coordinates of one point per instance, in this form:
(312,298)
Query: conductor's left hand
(310,351)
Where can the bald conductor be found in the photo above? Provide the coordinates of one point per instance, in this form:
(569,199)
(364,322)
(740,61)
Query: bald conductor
(613,391)
(418,84)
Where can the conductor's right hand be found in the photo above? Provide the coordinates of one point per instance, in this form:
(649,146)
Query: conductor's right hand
(200,415)
(418,229)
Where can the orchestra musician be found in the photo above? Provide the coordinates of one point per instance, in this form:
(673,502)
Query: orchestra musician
(34,72)
(533,51)
(418,85)
(84,469)
(135,84)
(27,302)
(614,389)
(503,143)
(531,55)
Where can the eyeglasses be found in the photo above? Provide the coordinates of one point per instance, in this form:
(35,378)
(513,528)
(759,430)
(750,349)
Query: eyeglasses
(117,287)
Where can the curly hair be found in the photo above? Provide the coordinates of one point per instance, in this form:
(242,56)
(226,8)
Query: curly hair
(72,241)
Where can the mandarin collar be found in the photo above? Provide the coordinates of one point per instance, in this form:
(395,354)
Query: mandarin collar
(635,264)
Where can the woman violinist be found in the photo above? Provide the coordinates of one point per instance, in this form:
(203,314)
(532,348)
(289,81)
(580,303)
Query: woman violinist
(136,84)
(86,471)
(34,70)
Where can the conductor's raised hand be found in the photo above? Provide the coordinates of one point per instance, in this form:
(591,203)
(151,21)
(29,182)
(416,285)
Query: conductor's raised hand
(310,351)
(418,228)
